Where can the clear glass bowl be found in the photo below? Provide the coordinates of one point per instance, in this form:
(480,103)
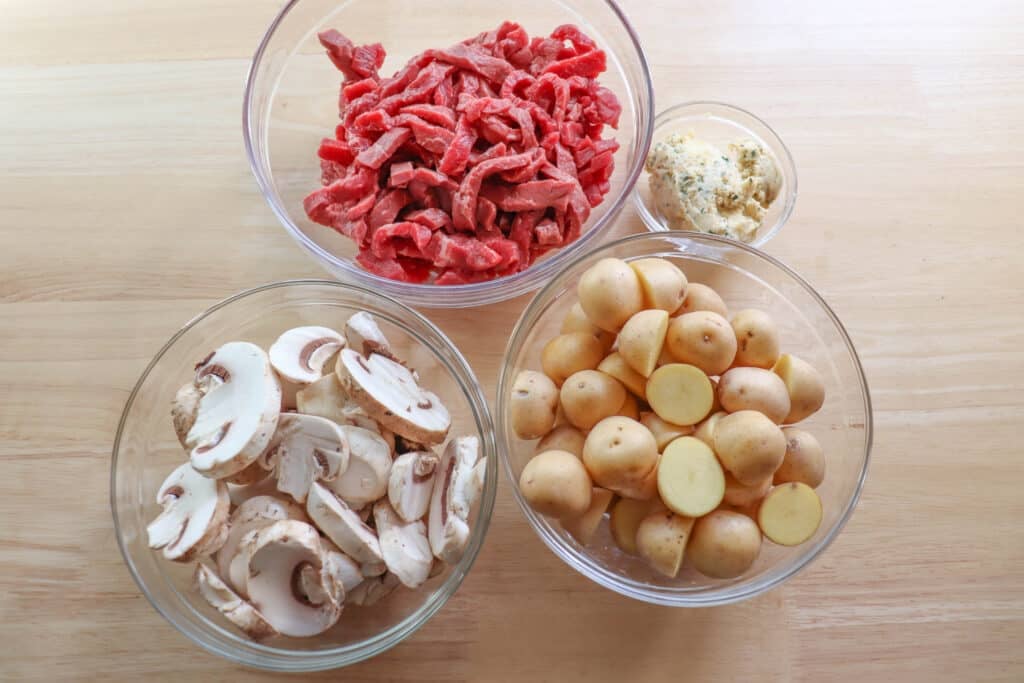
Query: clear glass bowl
(720,124)
(745,277)
(146,450)
(291,103)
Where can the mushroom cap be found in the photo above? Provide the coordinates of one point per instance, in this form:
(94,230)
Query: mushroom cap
(388,392)
(369,466)
(235,609)
(253,514)
(183,410)
(300,354)
(411,483)
(305,449)
(286,580)
(342,525)
(452,498)
(238,413)
(404,545)
(194,517)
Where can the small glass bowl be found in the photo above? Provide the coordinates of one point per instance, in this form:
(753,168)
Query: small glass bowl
(291,103)
(721,124)
(746,278)
(146,451)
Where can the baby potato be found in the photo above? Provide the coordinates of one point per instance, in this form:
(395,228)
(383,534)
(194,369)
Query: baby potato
(804,460)
(705,431)
(702,298)
(610,293)
(804,384)
(563,438)
(690,479)
(584,527)
(533,405)
(790,513)
(616,366)
(743,496)
(703,339)
(680,393)
(662,282)
(577,321)
(724,544)
(754,389)
(569,353)
(757,339)
(664,432)
(661,540)
(630,408)
(556,483)
(620,454)
(625,519)
(716,405)
(749,445)
(590,396)
(642,338)
(647,489)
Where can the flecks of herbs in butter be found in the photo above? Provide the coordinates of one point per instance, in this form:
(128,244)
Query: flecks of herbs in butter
(698,187)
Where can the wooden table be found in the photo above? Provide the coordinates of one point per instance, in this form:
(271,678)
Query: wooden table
(120,152)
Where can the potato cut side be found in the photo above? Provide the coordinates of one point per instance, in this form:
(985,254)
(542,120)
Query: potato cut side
(626,516)
(616,366)
(804,384)
(680,394)
(661,540)
(584,527)
(662,282)
(642,338)
(790,513)
(690,480)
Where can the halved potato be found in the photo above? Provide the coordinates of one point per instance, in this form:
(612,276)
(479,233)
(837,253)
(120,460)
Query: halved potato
(620,454)
(739,495)
(610,293)
(724,544)
(577,321)
(757,339)
(690,479)
(584,527)
(564,437)
(627,513)
(664,432)
(630,408)
(749,445)
(702,298)
(680,394)
(589,396)
(616,366)
(705,431)
(661,540)
(642,338)
(663,283)
(790,513)
(569,353)
(555,483)
(754,389)
(704,339)
(804,384)
(532,405)
(804,460)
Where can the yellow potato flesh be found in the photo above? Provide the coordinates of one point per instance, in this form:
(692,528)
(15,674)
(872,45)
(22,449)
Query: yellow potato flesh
(556,484)
(610,293)
(563,438)
(664,432)
(616,366)
(690,479)
(625,519)
(804,384)
(641,340)
(661,540)
(790,513)
(663,283)
(680,394)
(584,527)
(570,353)
(589,396)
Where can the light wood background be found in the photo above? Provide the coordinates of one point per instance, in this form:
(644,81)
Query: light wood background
(120,154)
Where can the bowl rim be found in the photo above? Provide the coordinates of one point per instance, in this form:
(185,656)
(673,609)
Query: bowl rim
(448,296)
(282,659)
(581,562)
(770,138)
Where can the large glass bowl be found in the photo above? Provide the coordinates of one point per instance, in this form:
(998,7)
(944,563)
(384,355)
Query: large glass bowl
(746,278)
(291,103)
(146,451)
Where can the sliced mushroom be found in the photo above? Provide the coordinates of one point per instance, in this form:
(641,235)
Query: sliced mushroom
(253,514)
(340,567)
(235,609)
(323,398)
(264,487)
(404,545)
(300,354)
(305,449)
(388,393)
(365,336)
(252,474)
(287,582)
(371,569)
(369,465)
(194,519)
(184,409)
(452,499)
(238,413)
(340,524)
(404,445)
(411,483)
(372,591)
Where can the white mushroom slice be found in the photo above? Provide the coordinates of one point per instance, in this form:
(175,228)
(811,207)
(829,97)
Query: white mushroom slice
(300,354)
(253,514)
(235,609)
(252,474)
(373,590)
(371,569)
(286,580)
(183,410)
(340,524)
(411,484)
(451,499)
(388,393)
(365,336)
(194,520)
(369,465)
(238,415)
(404,545)
(290,394)
(323,398)
(340,567)
(305,449)
(264,487)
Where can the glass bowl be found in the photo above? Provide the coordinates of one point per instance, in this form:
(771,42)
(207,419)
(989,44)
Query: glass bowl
(146,450)
(720,124)
(745,277)
(291,103)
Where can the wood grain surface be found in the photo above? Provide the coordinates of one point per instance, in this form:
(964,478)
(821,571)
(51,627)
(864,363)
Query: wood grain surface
(124,182)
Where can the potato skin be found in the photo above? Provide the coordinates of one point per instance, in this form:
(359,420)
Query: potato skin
(663,283)
(577,321)
(804,460)
(630,408)
(564,437)
(724,544)
(749,445)
(804,384)
(661,540)
(757,338)
(555,483)
(641,340)
(704,339)
(532,405)
(664,432)
(705,431)
(569,353)
(610,293)
(620,454)
(616,366)
(754,389)
(582,528)
(742,496)
(702,298)
(589,396)
(625,519)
